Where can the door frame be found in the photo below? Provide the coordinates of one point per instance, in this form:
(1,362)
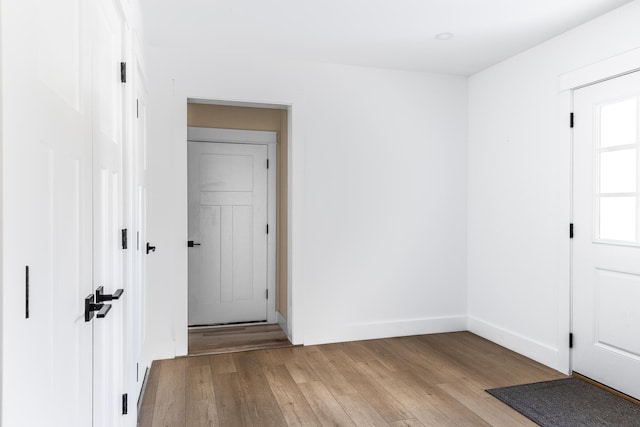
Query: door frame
(596,72)
(589,366)
(254,137)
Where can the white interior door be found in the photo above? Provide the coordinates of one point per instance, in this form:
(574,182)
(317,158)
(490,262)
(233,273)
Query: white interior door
(46,217)
(139,234)
(228,225)
(109,332)
(606,281)
(61,195)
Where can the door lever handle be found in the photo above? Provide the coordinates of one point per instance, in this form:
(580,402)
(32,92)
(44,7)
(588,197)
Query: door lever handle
(150,248)
(101,296)
(90,307)
(191,243)
(103,311)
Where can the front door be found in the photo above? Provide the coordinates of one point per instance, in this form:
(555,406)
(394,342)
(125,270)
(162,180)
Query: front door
(228,228)
(606,250)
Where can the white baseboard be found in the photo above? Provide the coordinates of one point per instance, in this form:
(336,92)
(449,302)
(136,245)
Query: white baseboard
(284,325)
(163,350)
(388,329)
(533,349)
(143,387)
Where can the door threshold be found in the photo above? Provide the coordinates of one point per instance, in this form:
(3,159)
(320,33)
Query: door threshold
(229,325)
(606,388)
(236,338)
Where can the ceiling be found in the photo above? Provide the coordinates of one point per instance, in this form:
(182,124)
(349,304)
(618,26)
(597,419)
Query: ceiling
(378,33)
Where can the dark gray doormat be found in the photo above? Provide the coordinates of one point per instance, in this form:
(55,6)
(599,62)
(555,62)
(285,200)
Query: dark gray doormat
(569,402)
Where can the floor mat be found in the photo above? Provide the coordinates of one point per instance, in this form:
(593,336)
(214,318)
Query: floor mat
(569,402)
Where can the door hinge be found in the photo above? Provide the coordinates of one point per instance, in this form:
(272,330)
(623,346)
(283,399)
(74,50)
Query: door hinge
(125,404)
(267,293)
(267,228)
(570,340)
(571,231)
(124,238)
(123,72)
(137,108)
(571,118)
(267,163)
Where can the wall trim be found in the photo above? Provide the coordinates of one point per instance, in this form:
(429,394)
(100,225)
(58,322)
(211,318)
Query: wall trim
(602,70)
(167,349)
(232,103)
(282,322)
(233,136)
(389,329)
(143,388)
(540,352)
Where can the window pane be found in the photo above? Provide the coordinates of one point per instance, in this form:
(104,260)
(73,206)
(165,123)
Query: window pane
(618,171)
(618,123)
(618,218)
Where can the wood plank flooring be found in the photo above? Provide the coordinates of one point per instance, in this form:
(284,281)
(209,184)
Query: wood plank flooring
(231,339)
(426,380)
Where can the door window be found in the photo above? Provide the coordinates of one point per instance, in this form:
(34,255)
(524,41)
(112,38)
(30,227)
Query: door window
(617,166)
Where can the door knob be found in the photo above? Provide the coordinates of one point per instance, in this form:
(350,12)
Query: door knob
(191,243)
(90,307)
(150,248)
(101,296)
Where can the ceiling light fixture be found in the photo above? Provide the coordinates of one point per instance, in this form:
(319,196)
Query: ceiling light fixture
(444,36)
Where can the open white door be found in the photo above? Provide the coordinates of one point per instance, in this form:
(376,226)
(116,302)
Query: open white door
(606,263)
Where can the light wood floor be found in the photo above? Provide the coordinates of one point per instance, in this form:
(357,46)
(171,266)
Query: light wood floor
(231,339)
(430,380)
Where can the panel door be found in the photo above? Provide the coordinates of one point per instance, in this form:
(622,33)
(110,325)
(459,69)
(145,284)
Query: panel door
(139,231)
(606,283)
(228,219)
(107,135)
(46,214)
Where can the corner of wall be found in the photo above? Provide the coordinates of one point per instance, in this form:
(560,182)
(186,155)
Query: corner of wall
(528,347)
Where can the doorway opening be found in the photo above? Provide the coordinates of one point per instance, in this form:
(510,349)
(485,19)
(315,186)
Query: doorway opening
(238,225)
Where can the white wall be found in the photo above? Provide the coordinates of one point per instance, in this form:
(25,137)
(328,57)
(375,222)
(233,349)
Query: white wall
(378,194)
(519,196)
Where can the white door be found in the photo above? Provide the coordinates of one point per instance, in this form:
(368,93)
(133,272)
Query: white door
(108,255)
(46,217)
(606,250)
(59,121)
(138,232)
(228,228)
